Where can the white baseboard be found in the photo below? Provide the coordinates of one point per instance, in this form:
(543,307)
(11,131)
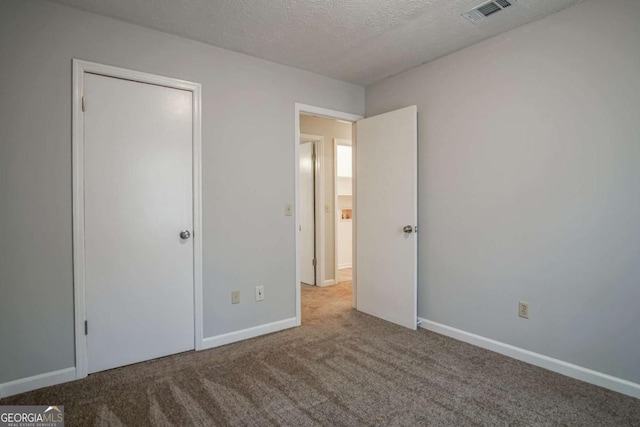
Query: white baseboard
(37,381)
(565,368)
(348,265)
(245,334)
(329,282)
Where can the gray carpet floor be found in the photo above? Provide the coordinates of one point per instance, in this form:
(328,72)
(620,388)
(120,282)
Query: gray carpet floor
(340,368)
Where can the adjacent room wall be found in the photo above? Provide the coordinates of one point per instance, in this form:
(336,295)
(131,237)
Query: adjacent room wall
(329,129)
(248,172)
(529,185)
(344,188)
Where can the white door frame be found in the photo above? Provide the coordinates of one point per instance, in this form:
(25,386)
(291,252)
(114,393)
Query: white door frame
(81,67)
(330,114)
(336,210)
(318,170)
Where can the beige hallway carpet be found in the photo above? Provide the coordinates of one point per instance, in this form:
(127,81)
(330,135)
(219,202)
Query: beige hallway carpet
(340,368)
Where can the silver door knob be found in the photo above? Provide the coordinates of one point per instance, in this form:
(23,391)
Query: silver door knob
(407,229)
(185,234)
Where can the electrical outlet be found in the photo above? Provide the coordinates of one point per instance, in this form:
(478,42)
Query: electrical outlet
(259,293)
(235,297)
(523,309)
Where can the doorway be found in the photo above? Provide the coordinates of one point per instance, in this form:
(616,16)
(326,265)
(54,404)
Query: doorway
(323,130)
(136,200)
(383,213)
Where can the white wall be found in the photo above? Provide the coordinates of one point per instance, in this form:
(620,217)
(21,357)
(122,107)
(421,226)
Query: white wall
(345,234)
(329,129)
(344,188)
(248,172)
(529,185)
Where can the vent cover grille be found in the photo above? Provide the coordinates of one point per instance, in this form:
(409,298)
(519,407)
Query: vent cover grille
(486,9)
(503,3)
(489,9)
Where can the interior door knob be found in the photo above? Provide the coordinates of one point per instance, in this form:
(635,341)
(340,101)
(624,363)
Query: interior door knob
(185,234)
(408,229)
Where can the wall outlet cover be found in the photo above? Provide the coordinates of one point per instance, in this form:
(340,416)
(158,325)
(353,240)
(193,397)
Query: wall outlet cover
(523,309)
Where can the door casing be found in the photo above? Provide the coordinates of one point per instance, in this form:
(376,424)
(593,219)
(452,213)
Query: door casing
(330,114)
(81,67)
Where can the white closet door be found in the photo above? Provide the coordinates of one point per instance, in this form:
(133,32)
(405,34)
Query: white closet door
(138,198)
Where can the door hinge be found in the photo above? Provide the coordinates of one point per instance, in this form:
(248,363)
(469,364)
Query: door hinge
(314,262)
(415,229)
(86,327)
(84,104)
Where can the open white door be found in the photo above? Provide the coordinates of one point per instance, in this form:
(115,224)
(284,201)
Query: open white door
(386,216)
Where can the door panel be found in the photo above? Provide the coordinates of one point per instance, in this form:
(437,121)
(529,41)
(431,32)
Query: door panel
(386,189)
(307,222)
(138,197)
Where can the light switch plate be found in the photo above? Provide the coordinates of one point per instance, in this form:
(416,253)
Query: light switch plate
(288,210)
(235,297)
(259,293)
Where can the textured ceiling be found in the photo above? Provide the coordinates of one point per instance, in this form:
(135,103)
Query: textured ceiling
(359,41)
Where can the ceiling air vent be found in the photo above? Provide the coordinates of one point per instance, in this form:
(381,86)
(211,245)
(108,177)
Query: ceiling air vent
(486,9)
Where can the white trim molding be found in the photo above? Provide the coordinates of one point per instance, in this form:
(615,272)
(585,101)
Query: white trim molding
(565,368)
(47,379)
(81,67)
(245,334)
(321,112)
